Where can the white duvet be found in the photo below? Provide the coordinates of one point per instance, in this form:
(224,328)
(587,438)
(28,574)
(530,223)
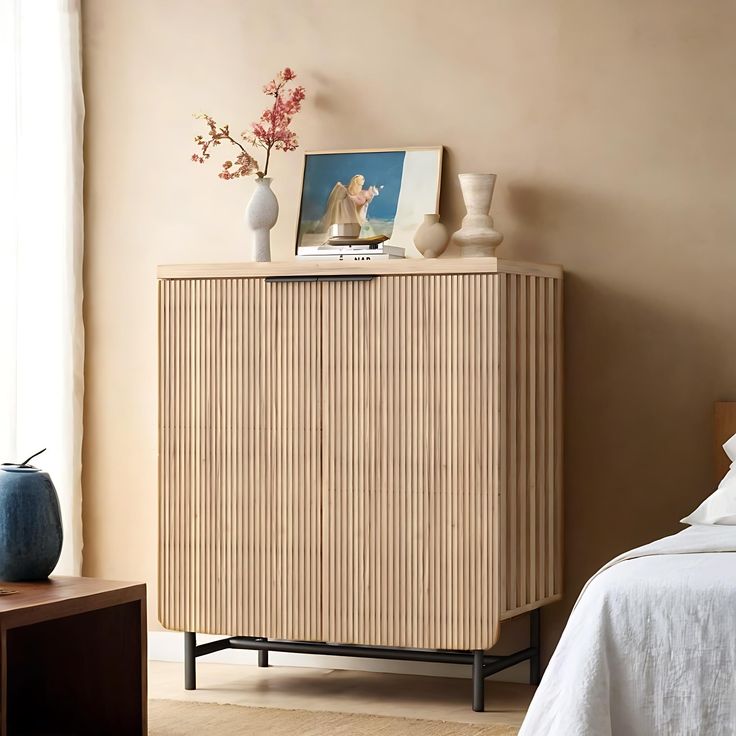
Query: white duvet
(650,647)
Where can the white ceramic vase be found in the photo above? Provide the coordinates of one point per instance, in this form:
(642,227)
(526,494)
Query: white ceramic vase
(431,237)
(261,216)
(476,237)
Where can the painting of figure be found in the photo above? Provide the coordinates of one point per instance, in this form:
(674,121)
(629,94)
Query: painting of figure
(385,193)
(348,204)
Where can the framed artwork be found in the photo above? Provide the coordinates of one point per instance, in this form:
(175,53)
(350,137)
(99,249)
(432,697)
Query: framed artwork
(386,191)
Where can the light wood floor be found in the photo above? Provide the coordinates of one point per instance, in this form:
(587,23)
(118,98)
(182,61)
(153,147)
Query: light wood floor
(345,691)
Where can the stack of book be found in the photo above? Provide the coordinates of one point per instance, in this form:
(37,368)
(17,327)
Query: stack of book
(342,248)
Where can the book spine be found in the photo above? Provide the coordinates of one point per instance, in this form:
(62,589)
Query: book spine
(347,257)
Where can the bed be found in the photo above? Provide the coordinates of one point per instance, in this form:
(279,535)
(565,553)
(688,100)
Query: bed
(650,647)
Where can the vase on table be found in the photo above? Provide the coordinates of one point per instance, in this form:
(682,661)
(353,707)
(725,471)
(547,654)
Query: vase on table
(477,236)
(261,216)
(30,524)
(431,237)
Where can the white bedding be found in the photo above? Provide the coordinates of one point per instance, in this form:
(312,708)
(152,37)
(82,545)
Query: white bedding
(650,647)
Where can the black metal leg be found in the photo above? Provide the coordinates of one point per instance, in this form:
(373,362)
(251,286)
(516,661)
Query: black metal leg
(190,659)
(483,665)
(535,672)
(479,682)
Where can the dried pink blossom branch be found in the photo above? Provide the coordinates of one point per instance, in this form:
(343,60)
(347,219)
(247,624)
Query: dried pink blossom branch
(271,132)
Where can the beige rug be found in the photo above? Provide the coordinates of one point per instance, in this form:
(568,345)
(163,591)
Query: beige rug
(177,718)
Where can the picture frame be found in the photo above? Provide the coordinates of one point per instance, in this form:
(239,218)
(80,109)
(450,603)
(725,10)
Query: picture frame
(387,191)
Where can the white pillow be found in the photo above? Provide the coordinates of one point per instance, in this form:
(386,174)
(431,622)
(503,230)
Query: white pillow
(719,507)
(730,449)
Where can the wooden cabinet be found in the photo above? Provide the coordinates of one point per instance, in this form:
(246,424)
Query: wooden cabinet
(359,456)
(73,658)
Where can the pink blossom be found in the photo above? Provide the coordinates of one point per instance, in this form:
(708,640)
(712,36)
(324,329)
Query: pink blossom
(271,132)
(259,131)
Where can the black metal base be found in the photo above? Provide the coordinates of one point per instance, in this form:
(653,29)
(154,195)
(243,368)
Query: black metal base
(483,665)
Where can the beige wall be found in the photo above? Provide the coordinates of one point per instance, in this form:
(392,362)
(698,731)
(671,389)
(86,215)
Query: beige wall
(611,125)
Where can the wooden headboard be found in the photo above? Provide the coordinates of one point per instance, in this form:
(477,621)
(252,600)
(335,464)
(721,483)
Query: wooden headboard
(725,427)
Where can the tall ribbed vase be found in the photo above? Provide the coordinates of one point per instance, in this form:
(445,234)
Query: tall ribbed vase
(477,237)
(261,216)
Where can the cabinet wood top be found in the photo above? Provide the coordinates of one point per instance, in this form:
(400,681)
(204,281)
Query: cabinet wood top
(26,603)
(395,267)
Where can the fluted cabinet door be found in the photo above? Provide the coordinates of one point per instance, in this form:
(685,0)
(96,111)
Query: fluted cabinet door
(239,473)
(409,462)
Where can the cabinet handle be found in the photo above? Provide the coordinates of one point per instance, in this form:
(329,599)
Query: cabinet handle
(289,279)
(297,279)
(360,277)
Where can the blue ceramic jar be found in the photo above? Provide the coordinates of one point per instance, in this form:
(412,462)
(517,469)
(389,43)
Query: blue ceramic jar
(30,524)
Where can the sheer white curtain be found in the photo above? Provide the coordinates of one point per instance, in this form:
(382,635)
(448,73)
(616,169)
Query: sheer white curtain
(41,332)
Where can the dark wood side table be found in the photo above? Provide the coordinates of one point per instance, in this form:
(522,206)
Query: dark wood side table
(73,658)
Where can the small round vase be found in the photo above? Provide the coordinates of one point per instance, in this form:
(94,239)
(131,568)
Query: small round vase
(261,216)
(30,524)
(477,237)
(431,237)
